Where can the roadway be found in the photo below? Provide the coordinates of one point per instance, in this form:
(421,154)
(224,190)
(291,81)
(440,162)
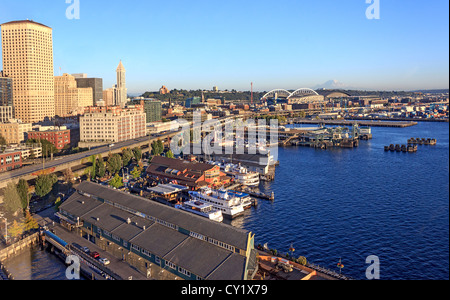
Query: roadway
(75,159)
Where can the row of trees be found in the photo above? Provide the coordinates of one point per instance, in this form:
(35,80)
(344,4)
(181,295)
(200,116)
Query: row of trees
(158,149)
(19,226)
(16,200)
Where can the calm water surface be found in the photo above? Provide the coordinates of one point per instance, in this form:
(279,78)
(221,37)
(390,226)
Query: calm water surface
(35,264)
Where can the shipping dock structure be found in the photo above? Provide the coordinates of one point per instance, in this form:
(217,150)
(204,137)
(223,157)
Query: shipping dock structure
(324,138)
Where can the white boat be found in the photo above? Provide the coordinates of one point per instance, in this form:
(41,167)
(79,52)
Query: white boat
(243,176)
(202,209)
(229,204)
(245,198)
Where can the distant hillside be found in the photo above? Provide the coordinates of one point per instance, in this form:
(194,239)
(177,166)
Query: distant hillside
(382,94)
(181,95)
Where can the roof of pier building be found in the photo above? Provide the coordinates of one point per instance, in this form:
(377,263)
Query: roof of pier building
(164,231)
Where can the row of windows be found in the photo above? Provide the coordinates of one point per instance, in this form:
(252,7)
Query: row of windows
(212,241)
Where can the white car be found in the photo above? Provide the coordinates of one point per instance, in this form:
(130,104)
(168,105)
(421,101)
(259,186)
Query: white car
(104,261)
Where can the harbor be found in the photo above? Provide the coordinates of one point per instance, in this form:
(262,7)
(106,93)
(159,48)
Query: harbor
(343,122)
(300,212)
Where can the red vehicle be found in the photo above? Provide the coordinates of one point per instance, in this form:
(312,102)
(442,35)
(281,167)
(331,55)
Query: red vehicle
(94,254)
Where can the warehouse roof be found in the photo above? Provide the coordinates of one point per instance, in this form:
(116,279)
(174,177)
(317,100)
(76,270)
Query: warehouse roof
(125,216)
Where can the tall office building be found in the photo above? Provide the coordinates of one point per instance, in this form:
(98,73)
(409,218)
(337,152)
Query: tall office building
(121,90)
(153,110)
(108,96)
(95,83)
(68,97)
(28,59)
(6,99)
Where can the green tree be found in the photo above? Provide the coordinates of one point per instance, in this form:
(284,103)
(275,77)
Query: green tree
(44,184)
(137,152)
(101,168)
(157,147)
(47,147)
(127,155)
(22,190)
(114,164)
(136,173)
(169,154)
(92,168)
(116,182)
(11,199)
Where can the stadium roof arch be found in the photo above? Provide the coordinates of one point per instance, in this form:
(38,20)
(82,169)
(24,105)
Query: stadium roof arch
(303,92)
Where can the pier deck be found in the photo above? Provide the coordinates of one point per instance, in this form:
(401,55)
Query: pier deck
(401,124)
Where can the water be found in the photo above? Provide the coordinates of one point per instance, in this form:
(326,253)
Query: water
(35,264)
(352,203)
(345,203)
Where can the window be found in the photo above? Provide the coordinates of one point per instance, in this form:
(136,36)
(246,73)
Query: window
(183,271)
(145,252)
(115,237)
(170,265)
(134,247)
(197,236)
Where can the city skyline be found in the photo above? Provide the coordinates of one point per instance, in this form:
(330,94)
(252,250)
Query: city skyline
(288,44)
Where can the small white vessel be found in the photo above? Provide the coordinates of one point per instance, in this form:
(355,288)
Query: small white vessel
(202,209)
(229,204)
(243,176)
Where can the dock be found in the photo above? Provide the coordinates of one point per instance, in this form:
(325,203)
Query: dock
(257,195)
(399,124)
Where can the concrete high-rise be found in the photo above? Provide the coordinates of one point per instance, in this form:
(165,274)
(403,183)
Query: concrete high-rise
(95,83)
(27,49)
(69,98)
(6,99)
(121,89)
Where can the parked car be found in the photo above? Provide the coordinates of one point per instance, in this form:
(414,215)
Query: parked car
(94,254)
(82,248)
(104,261)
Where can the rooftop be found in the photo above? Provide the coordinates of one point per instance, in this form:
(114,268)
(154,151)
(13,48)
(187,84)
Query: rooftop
(24,21)
(127,216)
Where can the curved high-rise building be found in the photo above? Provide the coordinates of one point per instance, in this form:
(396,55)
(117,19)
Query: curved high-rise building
(27,49)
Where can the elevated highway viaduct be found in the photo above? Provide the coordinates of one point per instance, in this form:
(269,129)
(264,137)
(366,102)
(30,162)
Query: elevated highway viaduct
(60,164)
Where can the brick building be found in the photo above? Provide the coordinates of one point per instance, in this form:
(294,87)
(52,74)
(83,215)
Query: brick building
(59,138)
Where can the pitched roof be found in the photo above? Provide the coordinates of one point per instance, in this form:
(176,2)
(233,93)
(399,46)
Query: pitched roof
(198,256)
(120,68)
(180,165)
(228,234)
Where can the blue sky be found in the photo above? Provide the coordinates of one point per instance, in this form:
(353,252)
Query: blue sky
(289,44)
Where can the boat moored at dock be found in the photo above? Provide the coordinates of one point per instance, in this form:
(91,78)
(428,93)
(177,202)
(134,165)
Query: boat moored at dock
(227,202)
(243,176)
(201,209)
